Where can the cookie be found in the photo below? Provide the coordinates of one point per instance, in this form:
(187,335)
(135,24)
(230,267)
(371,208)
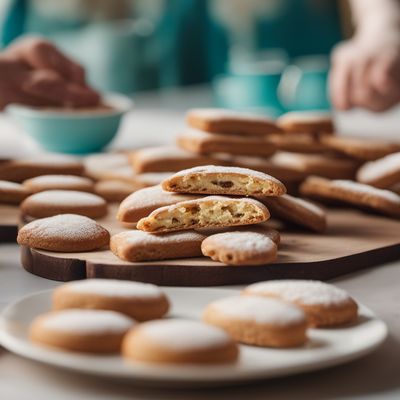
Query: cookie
(382,173)
(310,122)
(212,179)
(135,245)
(53,202)
(88,331)
(142,202)
(210,211)
(12,192)
(360,148)
(223,121)
(395,188)
(298,211)
(140,301)
(317,164)
(357,194)
(114,191)
(166,159)
(64,233)
(240,248)
(200,142)
(259,321)
(176,341)
(325,305)
(58,182)
(282,172)
(297,143)
(22,169)
(148,179)
(97,165)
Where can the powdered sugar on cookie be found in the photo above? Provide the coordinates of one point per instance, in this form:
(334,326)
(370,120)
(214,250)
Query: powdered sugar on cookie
(374,170)
(66,198)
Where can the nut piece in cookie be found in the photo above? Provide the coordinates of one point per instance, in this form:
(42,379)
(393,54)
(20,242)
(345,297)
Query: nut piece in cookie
(209,211)
(259,321)
(178,341)
(140,301)
(64,233)
(217,120)
(298,211)
(137,245)
(12,193)
(240,248)
(324,304)
(212,179)
(357,194)
(54,202)
(87,331)
(383,173)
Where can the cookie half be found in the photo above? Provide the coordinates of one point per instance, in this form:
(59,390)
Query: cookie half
(88,331)
(324,304)
(259,321)
(176,341)
(137,245)
(140,301)
(64,233)
(210,211)
(213,179)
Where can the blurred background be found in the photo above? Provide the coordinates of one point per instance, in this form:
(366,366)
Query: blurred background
(262,56)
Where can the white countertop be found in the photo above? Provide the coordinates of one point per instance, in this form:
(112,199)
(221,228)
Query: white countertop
(156,120)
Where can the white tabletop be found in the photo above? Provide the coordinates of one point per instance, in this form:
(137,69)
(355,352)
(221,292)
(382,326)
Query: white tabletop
(157,119)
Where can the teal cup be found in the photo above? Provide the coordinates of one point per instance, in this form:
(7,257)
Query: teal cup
(76,132)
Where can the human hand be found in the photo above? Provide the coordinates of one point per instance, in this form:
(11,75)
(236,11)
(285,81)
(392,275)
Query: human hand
(366,73)
(34,72)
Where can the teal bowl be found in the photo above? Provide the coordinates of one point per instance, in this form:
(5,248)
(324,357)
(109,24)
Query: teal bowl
(76,132)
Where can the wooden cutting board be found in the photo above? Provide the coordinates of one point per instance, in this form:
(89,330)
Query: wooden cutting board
(354,241)
(9,219)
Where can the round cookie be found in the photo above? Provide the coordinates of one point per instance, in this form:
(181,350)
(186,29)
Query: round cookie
(114,191)
(64,233)
(89,331)
(140,301)
(58,182)
(12,193)
(324,304)
(176,341)
(259,321)
(240,248)
(53,202)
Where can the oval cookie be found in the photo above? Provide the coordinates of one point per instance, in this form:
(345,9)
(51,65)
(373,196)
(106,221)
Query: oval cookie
(58,182)
(12,193)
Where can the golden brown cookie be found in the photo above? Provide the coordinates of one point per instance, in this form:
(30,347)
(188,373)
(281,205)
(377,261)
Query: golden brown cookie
(324,304)
(166,159)
(98,165)
(177,341)
(25,168)
(148,179)
(200,142)
(140,301)
(58,182)
(223,121)
(212,179)
(209,211)
(297,142)
(240,248)
(317,164)
(259,321)
(87,331)
(64,233)
(295,210)
(311,122)
(114,191)
(360,148)
(382,173)
(53,202)
(135,245)
(141,203)
(12,192)
(357,194)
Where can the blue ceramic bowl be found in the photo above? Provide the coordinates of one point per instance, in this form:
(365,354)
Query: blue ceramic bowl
(75,132)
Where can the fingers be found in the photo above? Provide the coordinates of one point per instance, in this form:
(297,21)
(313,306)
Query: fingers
(42,54)
(340,82)
(48,85)
(385,74)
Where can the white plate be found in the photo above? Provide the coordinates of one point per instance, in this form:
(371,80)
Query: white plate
(326,347)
